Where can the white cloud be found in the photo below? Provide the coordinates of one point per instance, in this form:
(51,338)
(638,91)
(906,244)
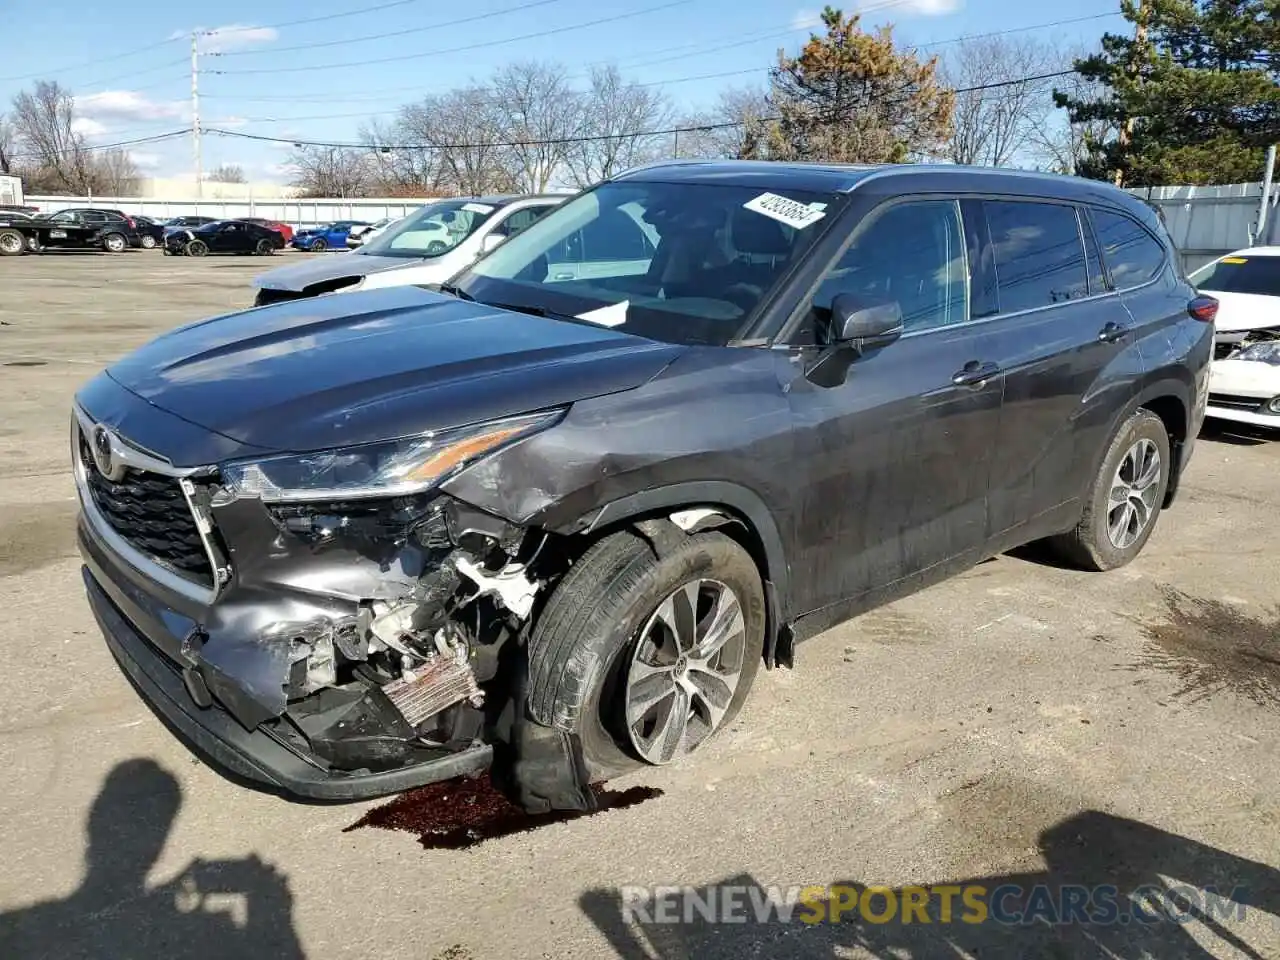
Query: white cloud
(805,20)
(88,127)
(232,36)
(144,160)
(128,105)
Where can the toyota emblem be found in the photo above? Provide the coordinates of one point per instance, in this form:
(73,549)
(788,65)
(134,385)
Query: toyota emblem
(104,453)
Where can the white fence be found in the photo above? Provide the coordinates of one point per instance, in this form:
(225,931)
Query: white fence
(297,213)
(1207,222)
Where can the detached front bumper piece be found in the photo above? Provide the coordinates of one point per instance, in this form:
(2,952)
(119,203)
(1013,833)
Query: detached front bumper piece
(255,756)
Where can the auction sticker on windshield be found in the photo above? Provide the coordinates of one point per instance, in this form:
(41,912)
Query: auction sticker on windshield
(791,212)
(614,315)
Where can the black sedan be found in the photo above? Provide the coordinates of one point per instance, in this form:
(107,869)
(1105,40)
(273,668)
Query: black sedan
(150,233)
(223,236)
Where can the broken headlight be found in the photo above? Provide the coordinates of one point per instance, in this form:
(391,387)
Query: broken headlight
(386,469)
(1266,352)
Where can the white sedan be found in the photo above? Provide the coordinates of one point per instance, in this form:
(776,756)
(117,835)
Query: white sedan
(1244,381)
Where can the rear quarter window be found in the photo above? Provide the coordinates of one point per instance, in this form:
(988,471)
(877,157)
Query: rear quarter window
(1132,254)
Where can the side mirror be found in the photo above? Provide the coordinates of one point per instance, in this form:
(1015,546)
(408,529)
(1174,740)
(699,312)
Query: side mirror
(860,324)
(491,242)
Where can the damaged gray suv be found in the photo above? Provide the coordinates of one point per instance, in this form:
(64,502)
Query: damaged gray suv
(580,494)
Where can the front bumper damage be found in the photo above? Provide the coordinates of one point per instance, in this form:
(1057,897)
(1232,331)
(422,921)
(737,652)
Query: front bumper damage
(335,651)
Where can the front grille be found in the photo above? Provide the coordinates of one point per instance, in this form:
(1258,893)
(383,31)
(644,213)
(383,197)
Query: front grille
(1233,402)
(150,512)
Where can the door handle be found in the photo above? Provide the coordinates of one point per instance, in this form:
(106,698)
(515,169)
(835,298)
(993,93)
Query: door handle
(1111,333)
(975,374)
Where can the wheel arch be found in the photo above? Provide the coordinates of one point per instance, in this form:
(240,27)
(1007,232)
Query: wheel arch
(1169,398)
(737,511)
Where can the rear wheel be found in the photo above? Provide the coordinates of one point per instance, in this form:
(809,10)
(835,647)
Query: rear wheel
(148,242)
(264,248)
(114,243)
(11,243)
(197,248)
(318,245)
(1125,499)
(645,658)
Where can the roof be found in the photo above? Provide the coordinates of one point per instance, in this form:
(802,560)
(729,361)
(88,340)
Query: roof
(1256,252)
(926,177)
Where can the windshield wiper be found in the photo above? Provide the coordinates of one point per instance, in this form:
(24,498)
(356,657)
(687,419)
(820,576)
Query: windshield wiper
(455,291)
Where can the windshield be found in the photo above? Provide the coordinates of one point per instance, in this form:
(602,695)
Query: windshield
(1244,274)
(431,230)
(680,262)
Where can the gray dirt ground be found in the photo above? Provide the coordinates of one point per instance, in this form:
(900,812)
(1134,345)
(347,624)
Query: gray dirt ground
(1021,721)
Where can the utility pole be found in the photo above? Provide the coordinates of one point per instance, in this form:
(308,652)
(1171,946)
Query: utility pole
(195,111)
(1125,139)
(1264,211)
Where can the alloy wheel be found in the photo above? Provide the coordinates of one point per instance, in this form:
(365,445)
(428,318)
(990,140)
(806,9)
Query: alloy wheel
(115,243)
(148,242)
(10,243)
(1134,489)
(685,670)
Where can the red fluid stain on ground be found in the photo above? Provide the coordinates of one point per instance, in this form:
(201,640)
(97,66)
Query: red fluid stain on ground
(458,814)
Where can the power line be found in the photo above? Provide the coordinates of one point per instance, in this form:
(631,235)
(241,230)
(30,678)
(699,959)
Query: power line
(560,141)
(90,63)
(154,138)
(136,73)
(331,16)
(471,46)
(395,33)
(1012,30)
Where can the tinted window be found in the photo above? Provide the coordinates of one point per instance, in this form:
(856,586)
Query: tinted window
(1038,254)
(1258,275)
(912,255)
(519,220)
(1133,255)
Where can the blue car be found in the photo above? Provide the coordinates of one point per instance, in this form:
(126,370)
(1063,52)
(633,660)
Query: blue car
(326,236)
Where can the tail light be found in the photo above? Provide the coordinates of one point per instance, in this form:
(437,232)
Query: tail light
(1204,308)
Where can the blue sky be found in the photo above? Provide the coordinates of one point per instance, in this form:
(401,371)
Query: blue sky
(123,94)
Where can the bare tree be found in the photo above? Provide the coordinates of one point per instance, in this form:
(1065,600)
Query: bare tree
(995,127)
(331,171)
(1059,145)
(114,173)
(400,166)
(466,129)
(226,173)
(539,112)
(737,125)
(6,145)
(619,119)
(43,121)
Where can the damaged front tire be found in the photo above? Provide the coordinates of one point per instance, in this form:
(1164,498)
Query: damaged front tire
(645,655)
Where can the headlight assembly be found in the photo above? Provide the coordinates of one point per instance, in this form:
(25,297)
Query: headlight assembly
(1265,352)
(386,469)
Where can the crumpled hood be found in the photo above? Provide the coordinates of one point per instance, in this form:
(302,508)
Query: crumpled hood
(299,276)
(1245,311)
(331,371)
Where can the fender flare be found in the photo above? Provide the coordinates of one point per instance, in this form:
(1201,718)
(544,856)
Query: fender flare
(739,501)
(1151,390)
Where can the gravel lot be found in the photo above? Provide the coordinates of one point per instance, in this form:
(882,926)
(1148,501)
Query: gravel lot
(1022,723)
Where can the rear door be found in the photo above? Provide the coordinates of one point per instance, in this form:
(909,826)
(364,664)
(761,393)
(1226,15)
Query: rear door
(1063,334)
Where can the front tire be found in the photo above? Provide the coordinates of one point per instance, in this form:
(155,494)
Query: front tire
(319,246)
(1125,499)
(645,658)
(197,248)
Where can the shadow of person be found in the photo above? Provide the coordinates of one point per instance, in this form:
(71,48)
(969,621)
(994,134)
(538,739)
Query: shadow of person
(1168,875)
(240,908)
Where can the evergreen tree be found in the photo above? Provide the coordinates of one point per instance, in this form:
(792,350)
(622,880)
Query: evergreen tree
(1199,92)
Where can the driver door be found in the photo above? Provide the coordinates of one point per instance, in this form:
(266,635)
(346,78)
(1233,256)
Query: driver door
(230,238)
(892,461)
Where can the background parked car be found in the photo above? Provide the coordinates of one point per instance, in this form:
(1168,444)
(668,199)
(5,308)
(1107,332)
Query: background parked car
(285,231)
(428,246)
(224,236)
(186,223)
(150,232)
(326,236)
(361,234)
(111,230)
